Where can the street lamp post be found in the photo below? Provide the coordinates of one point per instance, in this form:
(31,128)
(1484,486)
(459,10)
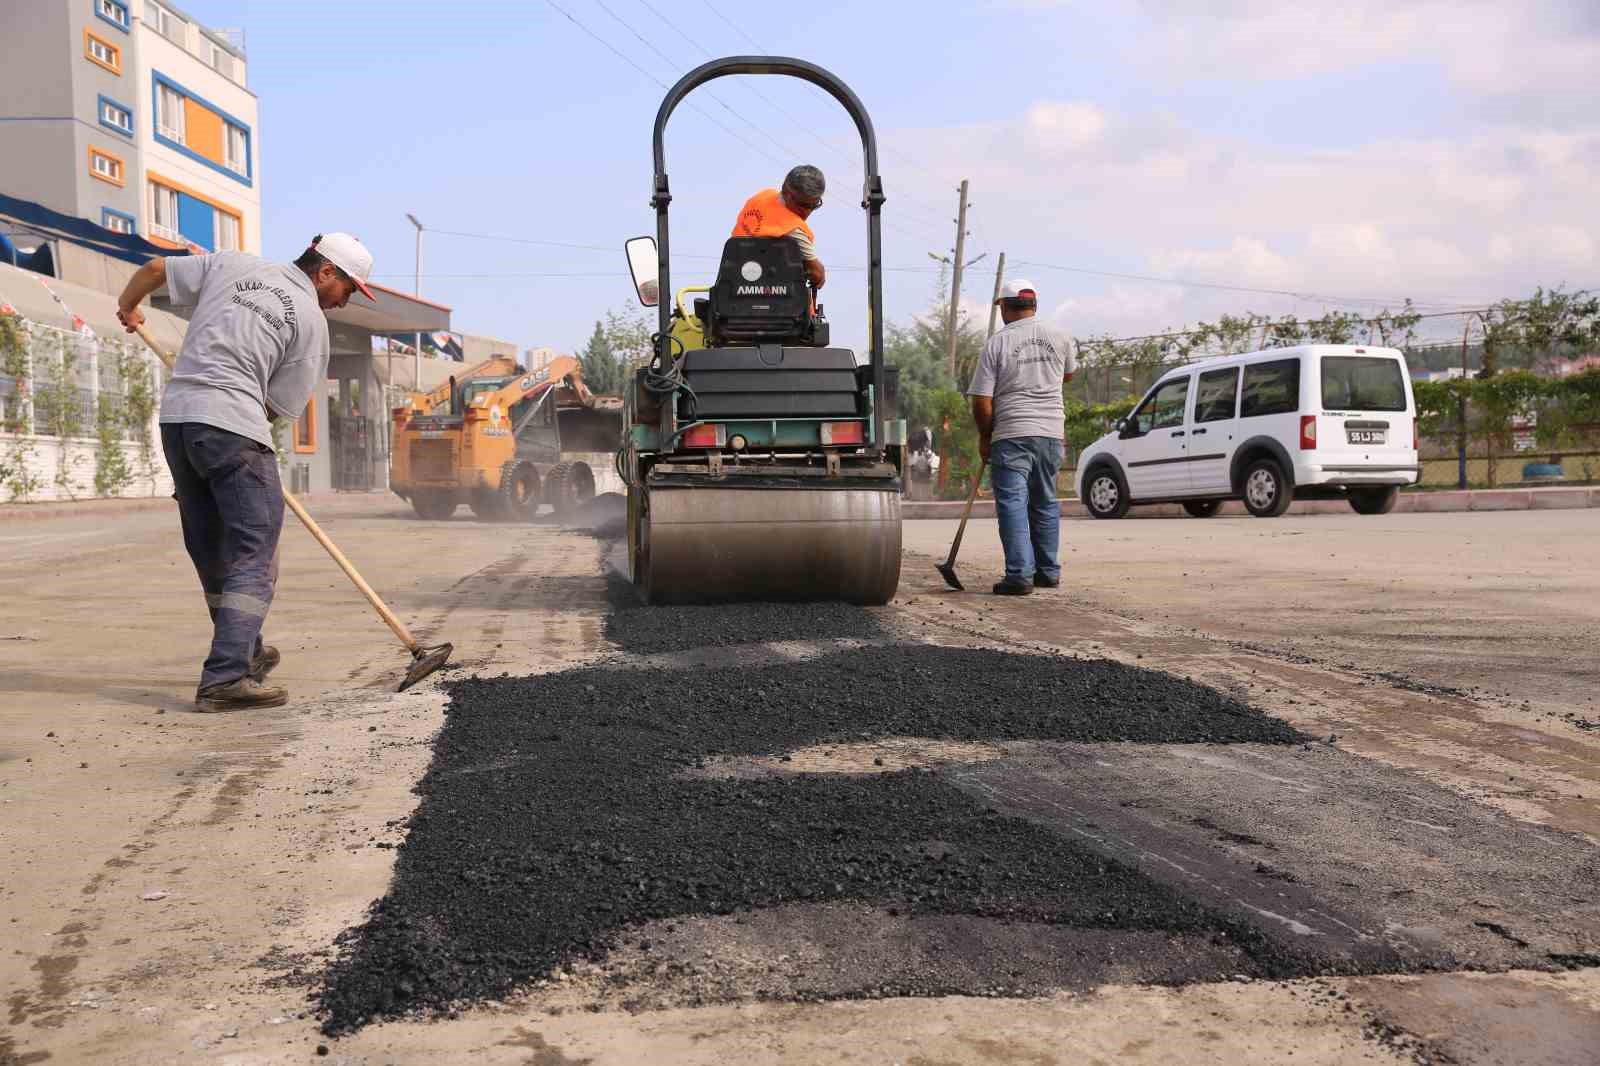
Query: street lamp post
(416,290)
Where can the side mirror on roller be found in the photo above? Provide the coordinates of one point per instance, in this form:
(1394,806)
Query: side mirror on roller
(643,265)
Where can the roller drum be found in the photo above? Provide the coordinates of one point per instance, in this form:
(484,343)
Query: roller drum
(726,545)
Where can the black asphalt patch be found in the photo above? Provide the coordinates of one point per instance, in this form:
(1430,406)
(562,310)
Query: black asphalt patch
(561,810)
(654,630)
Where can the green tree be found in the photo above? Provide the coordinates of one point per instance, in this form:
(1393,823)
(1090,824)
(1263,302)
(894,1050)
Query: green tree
(602,371)
(1547,324)
(920,349)
(1501,398)
(620,342)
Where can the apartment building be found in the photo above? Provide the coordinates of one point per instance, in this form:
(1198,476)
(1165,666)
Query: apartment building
(132,115)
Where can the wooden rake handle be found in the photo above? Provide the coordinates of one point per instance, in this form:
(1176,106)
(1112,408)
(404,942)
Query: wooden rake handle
(315,530)
(966,513)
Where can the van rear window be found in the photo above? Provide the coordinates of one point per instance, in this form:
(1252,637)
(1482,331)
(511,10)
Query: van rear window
(1362,383)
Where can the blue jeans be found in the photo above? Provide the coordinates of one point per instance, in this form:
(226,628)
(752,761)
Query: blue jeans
(231,504)
(1023,473)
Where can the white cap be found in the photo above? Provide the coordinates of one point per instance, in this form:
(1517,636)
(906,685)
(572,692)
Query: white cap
(1019,289)
(349,255)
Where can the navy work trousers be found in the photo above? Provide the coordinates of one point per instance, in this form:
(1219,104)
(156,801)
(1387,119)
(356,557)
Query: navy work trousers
(1023,472)
(231,503)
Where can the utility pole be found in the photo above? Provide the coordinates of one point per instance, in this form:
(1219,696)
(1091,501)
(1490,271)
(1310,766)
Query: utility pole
(416,290)
(994,304)
(955,281)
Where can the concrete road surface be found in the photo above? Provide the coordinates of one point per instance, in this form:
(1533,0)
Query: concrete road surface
(175,883)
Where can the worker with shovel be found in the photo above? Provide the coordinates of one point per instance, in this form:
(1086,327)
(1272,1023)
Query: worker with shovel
(256,349)
(1017,405)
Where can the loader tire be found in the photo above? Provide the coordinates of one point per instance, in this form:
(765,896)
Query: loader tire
(433,506)
(568,487)
(519,492)
(485,504)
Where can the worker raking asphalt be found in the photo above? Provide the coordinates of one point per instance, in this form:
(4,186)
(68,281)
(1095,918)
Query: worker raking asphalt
(563,809)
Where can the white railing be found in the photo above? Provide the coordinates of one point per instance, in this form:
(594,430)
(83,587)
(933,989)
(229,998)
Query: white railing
(166,233)
(95,374)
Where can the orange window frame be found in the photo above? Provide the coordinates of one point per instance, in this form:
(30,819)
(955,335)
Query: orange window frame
(122,167)
(305,428)
(115,66)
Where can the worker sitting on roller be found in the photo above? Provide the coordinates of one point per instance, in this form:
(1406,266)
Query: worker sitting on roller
(783,213)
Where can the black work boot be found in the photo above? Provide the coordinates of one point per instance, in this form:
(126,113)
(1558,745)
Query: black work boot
(1012,588)
(1042,582)
(265,663)
(242,695)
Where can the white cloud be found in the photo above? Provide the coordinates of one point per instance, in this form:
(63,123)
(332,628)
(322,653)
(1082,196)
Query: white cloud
(1055,129)
(1544,52)
(1444,221)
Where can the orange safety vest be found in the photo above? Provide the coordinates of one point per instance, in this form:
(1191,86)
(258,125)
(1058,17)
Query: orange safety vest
(766,215)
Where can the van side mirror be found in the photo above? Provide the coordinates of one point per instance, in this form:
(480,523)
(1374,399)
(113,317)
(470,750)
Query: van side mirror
(1127,427)
(643,265)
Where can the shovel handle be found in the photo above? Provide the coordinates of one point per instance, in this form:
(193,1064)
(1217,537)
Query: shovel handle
(966,513)
(355,577)
(315,530)
(161,353)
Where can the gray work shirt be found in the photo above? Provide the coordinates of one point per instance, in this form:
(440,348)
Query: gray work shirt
(1022,366)
(258,341)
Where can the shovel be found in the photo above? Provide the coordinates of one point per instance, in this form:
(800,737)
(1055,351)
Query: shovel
(947,569)
(424,661)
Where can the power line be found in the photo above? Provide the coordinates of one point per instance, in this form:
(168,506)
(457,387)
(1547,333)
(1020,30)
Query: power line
(928,211)
(673,64)
(623,274)
(735,134)
(1214,285)
(1265,322)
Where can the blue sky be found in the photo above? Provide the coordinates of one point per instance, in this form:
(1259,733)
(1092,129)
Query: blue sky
(1349,152)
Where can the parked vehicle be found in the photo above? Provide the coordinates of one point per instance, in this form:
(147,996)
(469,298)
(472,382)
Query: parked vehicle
(1312,422)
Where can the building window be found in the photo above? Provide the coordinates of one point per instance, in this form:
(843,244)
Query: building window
(221,60)
(117,221)
(114,12)
(106,166)
(164,213)
(116,116)
(238,150)
(169,113)
(166,23)
(197,128)
(305,428)
(227,232)
(102,53)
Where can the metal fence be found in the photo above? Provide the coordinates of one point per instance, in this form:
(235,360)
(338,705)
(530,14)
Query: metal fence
(97,371)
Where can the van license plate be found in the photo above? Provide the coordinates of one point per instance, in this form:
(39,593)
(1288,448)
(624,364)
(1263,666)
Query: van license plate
(1367,436)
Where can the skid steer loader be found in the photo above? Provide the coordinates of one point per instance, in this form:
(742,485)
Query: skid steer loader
(503,445)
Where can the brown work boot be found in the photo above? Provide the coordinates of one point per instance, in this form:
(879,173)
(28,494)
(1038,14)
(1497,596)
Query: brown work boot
(265,663)
(242,695)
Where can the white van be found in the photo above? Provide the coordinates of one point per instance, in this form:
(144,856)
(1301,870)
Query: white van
(1323,421)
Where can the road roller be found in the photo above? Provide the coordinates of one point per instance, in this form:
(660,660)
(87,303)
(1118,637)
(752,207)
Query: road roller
(762,462)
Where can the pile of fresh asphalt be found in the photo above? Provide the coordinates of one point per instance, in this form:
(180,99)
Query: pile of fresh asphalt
(563,810)
(643,630)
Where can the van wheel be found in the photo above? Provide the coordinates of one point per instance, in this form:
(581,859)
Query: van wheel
(1266,490)
(1106,494)
(1202,508)
(1374,501)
